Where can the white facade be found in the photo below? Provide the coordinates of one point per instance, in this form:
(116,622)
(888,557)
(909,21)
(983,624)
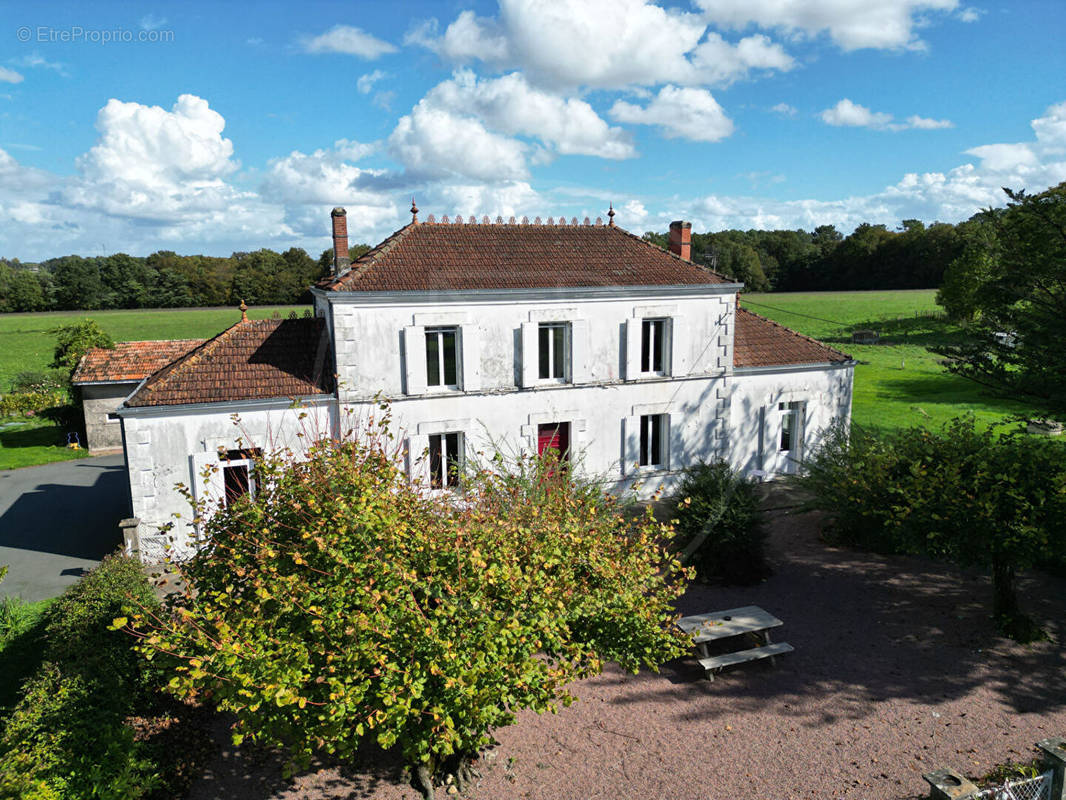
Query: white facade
(171,445)
(620,406)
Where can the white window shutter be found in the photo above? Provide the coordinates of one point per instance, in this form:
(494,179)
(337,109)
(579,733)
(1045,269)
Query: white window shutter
(680,347)
(630,444)
(206,490)
(418,459)
(414,351)
(633,333)
(529,353)
(470,363)
(674,443)
(579,351)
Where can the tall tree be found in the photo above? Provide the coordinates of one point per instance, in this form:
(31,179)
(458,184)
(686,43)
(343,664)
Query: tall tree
(1018,342)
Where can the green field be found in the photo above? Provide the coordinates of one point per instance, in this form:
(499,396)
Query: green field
(26,344)
(898,383)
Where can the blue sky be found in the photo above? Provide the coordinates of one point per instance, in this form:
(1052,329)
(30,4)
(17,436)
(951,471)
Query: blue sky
(212,127)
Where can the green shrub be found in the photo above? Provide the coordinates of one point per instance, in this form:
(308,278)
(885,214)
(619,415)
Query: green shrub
(28,404)
(344,605)
(68,736)
(719,525)
(52,380)
(970,496)
(74,340)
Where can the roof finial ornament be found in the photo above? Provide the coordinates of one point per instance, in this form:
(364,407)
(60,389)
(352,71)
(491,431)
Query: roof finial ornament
(610,216)
(244,311)
(414,212)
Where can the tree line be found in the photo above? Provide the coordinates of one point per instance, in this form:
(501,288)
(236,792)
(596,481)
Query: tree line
(871,257)
(162,280)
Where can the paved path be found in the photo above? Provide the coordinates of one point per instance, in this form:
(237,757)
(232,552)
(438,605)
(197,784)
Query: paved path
(58,520)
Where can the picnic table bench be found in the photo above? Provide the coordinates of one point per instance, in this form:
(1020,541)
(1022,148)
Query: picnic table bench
(733,622)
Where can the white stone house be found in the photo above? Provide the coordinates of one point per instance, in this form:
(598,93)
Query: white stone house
(630,360)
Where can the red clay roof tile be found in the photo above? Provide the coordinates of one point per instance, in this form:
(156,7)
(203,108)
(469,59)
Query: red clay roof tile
(453,256)
(252,360)
(130,361)
(760,342)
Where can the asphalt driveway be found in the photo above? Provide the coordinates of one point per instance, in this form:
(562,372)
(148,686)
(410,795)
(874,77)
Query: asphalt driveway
(57,521)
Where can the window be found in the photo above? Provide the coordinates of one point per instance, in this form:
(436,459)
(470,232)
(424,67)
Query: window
(653,336)
(790,425)
(653,440)
(238,479)
(554,436)
(442,359)
(445,459)
(553,350)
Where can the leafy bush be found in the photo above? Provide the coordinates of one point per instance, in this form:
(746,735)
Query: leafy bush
(68,737)
(75,340)
(972,497)
(28,404)
(343,604)
(52,380)
(719,524)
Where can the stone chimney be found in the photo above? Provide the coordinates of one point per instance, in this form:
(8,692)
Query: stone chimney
(341,262)
(680,242)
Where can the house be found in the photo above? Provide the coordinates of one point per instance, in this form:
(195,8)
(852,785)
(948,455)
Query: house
(629,360)
(105,376)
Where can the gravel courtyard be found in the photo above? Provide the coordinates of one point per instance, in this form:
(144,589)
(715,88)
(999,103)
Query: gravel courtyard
(897,671)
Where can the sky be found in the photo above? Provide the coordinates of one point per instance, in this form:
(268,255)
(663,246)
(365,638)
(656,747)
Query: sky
(220,126)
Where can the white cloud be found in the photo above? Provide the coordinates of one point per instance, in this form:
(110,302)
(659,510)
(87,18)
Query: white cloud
(323,177)
(947,196)
(924,123)
(680,112)
(150,22)
(721,63)
(511,106)
(348,40)
(851,24)
(848,114)
(609,44)
(35,60)
(157,164)
(785,110)
(435,142)
(969,14)
(366,82)
(10,76)
(469,38)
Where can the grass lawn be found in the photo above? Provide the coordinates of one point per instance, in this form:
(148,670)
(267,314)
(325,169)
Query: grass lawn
(898,383)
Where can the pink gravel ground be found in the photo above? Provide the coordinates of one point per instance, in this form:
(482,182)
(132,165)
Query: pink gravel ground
(897,671)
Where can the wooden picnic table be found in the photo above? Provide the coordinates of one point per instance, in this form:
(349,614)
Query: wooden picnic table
(733,622)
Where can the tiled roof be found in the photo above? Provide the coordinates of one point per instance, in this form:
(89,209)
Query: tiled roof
(760,342)
(254,359)
(442,256)
(130,361)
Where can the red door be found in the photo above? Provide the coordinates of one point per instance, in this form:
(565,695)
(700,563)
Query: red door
(554,436)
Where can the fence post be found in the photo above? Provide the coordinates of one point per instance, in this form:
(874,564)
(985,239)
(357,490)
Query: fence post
(1054,752)
(131,536)
(949,784)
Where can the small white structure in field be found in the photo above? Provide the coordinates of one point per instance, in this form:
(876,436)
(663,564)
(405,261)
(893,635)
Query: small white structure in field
(630,360)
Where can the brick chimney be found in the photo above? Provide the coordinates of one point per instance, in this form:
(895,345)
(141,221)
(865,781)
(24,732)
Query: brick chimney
(680,241)
(341,262)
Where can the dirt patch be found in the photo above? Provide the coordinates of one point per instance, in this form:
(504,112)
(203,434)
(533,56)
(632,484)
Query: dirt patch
(897,670)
